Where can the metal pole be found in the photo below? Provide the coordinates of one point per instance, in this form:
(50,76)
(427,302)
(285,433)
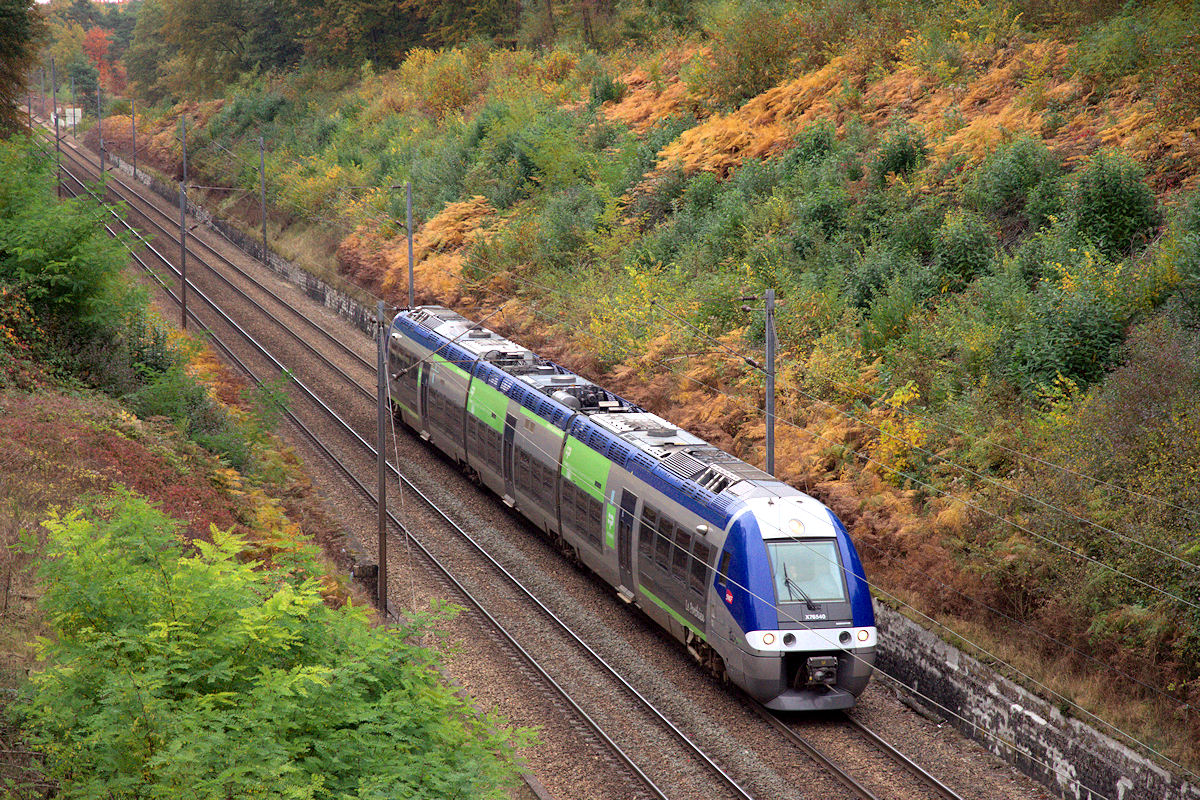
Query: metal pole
(262,189)
(42,98)
(183,141)
(100,127)
(381,459)
(408,203)
(74,111)
(183,281)
(133,127)
(57,144)
(29,99)
(771,381)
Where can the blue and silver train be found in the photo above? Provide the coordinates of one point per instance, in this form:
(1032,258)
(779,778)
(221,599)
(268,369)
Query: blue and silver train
(759,581)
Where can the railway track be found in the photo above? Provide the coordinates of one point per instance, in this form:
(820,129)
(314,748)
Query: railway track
(635,782)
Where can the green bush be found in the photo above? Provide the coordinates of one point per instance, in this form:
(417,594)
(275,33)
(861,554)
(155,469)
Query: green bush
(1004,183)
(753,45)
(212,674)
(605,88)
(1071,335)
(965,249)
(901,151)
(57,254)
(1111,205)
(565,224)
(1111,50)
(873,270)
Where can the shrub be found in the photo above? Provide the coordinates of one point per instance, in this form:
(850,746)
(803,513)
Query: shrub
(1111,205)
(1111,50)
(753,46)
(901,151)
(1069,335)
(874,269)
(812,144)
(1004,182)
(965,249)
(605,88)
(58,254)
(565,223)
(214,674)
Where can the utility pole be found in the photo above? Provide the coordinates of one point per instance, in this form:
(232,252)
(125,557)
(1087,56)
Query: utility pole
(57,144)
(29,99)
(133,128)
(771,381)
(381,458)
(262,190)
(74,111)
(100,126)
(408,225)
(769,371)
(183,282)
(42,99)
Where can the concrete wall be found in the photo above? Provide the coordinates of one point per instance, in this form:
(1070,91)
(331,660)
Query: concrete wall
(1064,754)
(1071,758)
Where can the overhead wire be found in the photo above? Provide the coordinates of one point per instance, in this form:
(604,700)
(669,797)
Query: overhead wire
(979,648)
(942,459)
(709,568)
(917,481)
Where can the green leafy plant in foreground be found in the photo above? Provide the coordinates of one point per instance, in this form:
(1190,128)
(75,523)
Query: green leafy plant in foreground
(208,674)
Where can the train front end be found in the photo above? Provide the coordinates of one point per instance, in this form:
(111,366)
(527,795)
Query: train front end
(808,632)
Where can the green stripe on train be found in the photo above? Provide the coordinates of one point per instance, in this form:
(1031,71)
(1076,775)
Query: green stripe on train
(457,370)
(551,428)
(487,404)
(585,468)
(675,614)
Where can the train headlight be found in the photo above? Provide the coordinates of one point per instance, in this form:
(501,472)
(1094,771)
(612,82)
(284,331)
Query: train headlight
(796,527)
(863,635)
(844,637)
(789,639)
(768,639)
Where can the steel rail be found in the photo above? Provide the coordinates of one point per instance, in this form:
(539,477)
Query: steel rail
(647,705)
(811,750)
(370,497)
(245,296)
(912,766)
(79,156)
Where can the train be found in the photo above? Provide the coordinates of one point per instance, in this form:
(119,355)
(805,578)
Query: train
(759,581)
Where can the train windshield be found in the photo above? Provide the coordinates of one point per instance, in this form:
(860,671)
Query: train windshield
(807,571)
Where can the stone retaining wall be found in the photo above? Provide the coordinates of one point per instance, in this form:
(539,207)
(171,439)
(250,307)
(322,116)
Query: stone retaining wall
(1071,758)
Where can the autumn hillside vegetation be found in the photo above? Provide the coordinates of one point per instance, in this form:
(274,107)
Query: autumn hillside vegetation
(981,218)
(171,624)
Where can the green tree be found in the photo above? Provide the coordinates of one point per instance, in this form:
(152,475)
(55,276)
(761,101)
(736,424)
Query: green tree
(210,674)
(150,54)
(57,254)
(21,28)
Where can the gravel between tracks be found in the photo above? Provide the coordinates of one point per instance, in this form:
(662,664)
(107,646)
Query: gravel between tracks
(566,760)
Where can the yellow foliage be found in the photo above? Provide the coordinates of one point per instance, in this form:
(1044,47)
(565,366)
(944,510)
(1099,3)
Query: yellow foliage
(899,435)
(438,249)
(762,126)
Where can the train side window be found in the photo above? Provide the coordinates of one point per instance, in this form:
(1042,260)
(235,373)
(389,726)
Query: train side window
(662,552)
(648,531)
(679,556)
(723,569)
(699,570)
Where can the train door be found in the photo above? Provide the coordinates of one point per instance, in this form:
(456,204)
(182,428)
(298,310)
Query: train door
(510,430)
(625,537)
(423,381)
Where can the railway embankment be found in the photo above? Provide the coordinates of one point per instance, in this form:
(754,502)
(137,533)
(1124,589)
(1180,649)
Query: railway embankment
(1066,754)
